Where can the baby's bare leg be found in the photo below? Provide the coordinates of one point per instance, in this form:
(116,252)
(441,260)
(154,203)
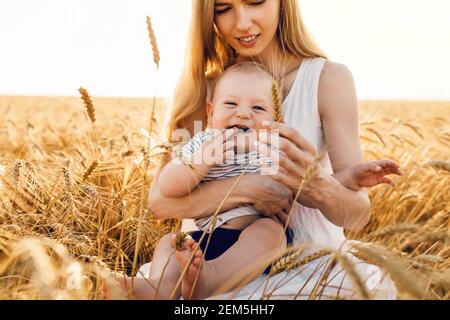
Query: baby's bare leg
(257,245)
(163,265)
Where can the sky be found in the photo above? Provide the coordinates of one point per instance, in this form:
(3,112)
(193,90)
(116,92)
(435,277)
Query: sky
(396,49)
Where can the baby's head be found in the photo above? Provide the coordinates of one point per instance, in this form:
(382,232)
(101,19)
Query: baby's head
(243,96)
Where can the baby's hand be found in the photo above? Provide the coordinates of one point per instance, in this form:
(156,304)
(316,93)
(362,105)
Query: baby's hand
(372,173)
(218,148)
(245,141)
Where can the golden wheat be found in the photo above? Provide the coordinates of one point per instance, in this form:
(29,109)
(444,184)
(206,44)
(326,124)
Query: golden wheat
(277,100)
(50,190)
(88,104)
(151,34)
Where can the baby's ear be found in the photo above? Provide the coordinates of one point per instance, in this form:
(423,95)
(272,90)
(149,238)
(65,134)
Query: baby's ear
(209,109)
(209,113)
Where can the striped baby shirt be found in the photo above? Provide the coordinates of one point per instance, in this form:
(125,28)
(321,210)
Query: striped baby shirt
(242,163)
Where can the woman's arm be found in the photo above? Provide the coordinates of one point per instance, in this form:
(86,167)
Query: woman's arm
(268,197)
(343,207)
(202,202)
(338,107)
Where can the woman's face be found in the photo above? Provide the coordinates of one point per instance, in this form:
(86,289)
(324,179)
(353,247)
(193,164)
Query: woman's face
(248,26)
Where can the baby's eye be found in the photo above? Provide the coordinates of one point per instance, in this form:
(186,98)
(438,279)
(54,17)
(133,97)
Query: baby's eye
(231,104)
(259,108)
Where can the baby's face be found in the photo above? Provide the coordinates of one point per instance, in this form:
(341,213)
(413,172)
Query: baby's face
(242,100)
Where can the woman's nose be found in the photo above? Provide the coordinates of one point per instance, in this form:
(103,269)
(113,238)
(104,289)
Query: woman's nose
(244,19)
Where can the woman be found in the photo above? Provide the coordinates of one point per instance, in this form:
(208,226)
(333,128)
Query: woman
(321,117)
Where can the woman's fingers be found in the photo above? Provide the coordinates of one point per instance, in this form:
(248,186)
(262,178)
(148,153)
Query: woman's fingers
(293,135)
(294,160)
(287,148)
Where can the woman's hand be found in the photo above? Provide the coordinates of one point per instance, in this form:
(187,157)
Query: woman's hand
(322,191)
(296,156)
(269,197)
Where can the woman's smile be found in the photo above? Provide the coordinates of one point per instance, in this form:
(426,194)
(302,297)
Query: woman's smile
(248,41)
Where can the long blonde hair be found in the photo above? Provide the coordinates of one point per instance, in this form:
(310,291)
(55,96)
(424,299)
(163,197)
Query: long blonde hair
(208,55)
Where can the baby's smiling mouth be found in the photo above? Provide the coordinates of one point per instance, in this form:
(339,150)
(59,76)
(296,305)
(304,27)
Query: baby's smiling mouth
(243,128)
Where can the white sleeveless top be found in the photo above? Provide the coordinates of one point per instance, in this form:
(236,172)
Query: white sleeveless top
(300,110)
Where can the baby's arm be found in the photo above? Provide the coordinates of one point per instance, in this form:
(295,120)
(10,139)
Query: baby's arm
(368,174)
(178,179)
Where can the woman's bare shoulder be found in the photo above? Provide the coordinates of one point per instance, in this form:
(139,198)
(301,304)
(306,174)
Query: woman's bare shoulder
(336,88)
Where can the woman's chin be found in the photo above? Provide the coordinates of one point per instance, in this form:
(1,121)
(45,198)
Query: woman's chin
(249,52)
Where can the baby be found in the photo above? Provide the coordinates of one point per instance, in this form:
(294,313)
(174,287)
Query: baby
(242,99)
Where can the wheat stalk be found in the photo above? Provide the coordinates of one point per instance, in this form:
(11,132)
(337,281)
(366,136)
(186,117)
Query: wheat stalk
(413,128)
(89,170)
(277,101)
(88,104)
(291,261)
(394,229)
(396,268)
(375,132)
(17,170)
(354,277)
(156,58)
(287,261)
(435,236)
(439,165)
(153,42)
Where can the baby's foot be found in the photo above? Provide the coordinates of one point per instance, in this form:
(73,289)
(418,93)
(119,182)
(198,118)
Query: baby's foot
(119,281)
(142,289)
(183,253)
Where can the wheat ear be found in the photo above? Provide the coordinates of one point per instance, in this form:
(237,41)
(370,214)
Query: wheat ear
(89,170)
(151,34)
(276,101)
(439,165)
(87,100)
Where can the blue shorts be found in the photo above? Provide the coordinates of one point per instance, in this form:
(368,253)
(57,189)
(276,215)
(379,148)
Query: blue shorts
(222,239)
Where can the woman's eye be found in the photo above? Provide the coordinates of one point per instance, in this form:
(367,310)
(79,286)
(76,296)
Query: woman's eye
(221,11)
(257,3)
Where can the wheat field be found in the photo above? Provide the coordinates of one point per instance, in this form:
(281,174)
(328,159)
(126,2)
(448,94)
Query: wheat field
(74,180)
